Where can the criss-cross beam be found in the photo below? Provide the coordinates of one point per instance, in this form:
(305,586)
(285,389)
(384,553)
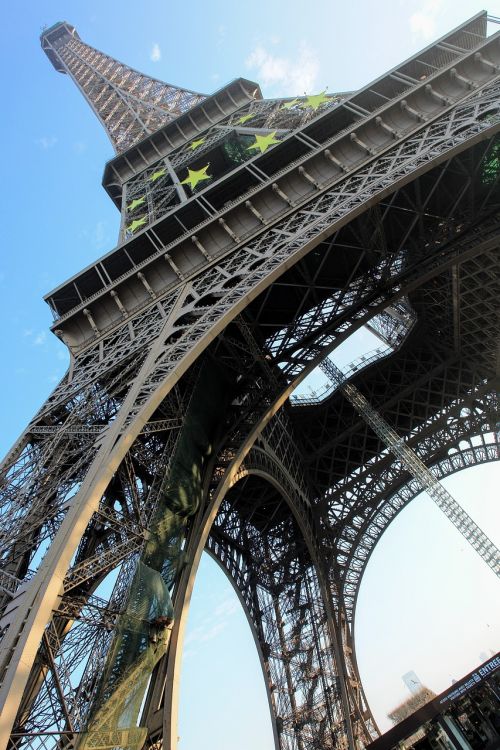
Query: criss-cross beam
(413,386)
(464,437)
(481,448)
(170,410)
(139,322)
(325,287)
(264,536)
(302,679)
(450,256)
(129,104)
(439,389)
(305,677)
(447,379)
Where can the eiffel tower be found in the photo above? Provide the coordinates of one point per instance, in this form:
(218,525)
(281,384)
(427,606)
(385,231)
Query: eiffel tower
(256,236)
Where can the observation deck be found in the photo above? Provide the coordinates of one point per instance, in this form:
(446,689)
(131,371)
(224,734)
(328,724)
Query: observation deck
(241,202)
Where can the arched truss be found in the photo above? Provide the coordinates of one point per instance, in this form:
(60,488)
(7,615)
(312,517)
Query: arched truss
(109,428)
(486,450)
(377,491)
(129,104)
(283,601)
(242,564)
(146,452)
(275,457)
(473,449)
(266,557)
(150,449)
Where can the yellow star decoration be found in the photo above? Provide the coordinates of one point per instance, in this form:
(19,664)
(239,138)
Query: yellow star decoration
(262,142)
(289,105)
(196,144)
(156,175)
(136,224)
(136,202)
(195,176)
(245,118)
(316,100)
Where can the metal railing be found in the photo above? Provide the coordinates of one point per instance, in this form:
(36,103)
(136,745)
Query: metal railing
(326,390)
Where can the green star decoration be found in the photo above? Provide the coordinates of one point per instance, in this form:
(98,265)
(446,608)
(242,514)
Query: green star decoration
(136,202)
(262,142)
(195,176)
(196,144)
(136,224)
(316,100)
(289,105)
(245,118)
(156,175)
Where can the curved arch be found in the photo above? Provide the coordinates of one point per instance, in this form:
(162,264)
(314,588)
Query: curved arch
(258,462)
(288,622)
(444,467)
(235,477)
(145,395)
(257,641)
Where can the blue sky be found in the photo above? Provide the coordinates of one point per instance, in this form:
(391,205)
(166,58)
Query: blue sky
(426,603)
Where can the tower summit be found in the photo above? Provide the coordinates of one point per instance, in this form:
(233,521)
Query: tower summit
(256,236)
(129,104)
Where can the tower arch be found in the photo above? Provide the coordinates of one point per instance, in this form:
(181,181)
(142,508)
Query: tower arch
(201,276)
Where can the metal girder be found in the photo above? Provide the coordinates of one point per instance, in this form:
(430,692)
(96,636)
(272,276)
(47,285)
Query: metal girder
(476,537)
(158,425)
(387,487)
(305,679)
(265,270)
(128,104)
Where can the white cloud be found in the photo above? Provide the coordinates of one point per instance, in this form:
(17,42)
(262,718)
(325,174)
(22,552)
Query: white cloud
(79,147)
(46,142)
(213,631)
(210,627)
(100,235)
(227,607)
(205,632)
(423,23)
(40,338)
(221,35)
(287,76)
(155,53)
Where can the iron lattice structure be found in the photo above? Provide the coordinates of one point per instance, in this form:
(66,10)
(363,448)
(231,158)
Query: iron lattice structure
(129,104)
(174,431)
